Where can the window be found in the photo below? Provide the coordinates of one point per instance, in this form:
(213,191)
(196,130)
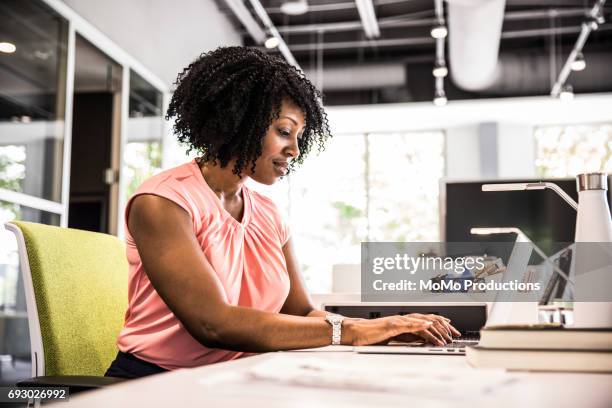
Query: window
(404,173)
(143,151)
(564,151)
(378,187)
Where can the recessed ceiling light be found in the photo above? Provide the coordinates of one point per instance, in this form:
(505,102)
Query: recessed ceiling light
(272,42)
(294,7)
(7,47)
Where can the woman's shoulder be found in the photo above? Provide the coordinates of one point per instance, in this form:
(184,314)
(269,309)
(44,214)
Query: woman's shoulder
(182,174)
(177,184)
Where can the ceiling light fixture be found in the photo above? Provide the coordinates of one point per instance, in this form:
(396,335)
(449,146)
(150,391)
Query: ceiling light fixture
(294,7)
(272,42)
(7,47)
(579,63)
(246,19)
(439,31)
(567,93)
(573,63)
(440,98)
(368,18)
(265,19)
(440,70)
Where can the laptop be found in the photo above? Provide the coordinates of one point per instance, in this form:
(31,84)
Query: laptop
(500,313)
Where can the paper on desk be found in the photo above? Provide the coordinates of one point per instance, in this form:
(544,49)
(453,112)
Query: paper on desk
(417,381)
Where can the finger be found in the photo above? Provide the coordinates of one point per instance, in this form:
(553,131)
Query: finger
(437,336)
(431,317)
(448,328)
(437,318)
(412,325)
(446,322)
(445,332)
(454,331)
(429,337)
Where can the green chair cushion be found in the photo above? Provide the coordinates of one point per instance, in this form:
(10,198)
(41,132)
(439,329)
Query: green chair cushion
(80,286)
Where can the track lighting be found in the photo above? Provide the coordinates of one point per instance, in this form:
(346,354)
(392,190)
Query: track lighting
(439,31)
(440,98)
(567,93)
(272,42)
(7,47)
(579,63)
(440,70)
(294,7)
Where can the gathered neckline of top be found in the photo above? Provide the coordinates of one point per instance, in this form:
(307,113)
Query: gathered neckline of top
(246,197)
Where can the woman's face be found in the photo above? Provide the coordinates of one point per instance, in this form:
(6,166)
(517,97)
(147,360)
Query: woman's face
(280,145)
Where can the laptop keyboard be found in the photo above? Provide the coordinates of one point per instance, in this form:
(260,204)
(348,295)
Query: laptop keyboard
(460,344)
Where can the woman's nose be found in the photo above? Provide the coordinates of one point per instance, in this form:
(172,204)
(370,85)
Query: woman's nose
(293,148)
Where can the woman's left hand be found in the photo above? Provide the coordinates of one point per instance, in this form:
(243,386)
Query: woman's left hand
(440,328)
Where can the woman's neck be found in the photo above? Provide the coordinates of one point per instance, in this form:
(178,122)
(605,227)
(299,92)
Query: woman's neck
(222,180)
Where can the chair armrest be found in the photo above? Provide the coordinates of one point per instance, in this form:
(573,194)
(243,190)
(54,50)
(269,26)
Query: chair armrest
(75,383)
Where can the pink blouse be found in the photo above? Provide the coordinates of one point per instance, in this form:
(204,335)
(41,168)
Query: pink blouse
(247,258)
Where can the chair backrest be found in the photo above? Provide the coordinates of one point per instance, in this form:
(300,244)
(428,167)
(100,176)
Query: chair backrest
(76,294)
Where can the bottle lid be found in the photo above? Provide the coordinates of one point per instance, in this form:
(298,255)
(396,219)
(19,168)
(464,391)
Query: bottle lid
(592,181)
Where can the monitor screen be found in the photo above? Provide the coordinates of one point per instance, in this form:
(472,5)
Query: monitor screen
(541,214)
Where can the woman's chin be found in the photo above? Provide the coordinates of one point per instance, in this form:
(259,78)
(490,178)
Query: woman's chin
(267,180)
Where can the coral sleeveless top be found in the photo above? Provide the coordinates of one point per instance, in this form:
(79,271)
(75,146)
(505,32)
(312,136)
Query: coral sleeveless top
(247,258)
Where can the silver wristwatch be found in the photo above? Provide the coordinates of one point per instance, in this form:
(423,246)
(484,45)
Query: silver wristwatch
(336,324)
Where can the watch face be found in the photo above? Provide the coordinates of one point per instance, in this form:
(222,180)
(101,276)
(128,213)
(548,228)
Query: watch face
(334,319)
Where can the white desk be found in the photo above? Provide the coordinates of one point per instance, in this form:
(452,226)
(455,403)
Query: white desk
(185,388)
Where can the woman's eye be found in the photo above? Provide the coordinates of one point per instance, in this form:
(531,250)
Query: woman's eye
(284,132)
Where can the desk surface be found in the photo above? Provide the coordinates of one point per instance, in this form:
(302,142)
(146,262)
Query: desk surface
(226,385)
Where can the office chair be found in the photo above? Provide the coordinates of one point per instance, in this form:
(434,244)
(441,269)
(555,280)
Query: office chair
(76,296)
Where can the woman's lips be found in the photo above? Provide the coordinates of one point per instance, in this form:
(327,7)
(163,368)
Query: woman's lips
(281,167)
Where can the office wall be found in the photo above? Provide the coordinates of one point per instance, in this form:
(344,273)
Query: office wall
(198,24)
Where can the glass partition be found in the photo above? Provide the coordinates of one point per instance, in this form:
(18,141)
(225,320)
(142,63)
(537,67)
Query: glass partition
(143,151)
(32,98)
(14,333)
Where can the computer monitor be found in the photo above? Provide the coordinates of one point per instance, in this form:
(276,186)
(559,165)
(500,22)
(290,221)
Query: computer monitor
(541,214)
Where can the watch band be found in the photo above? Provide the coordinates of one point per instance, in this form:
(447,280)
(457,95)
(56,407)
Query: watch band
(336,324)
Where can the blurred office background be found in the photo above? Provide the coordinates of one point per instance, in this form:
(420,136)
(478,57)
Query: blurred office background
(84,85)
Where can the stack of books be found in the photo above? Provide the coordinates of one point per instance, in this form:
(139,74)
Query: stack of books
(543,348)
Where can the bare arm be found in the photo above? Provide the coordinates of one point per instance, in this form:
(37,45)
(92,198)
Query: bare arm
(187,283)
(298,301)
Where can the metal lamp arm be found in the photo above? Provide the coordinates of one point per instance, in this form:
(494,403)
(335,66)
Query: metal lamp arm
(563,195)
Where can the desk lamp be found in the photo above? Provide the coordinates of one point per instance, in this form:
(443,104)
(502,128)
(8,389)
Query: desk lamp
(522,237)
(517,231)
(593,225)
(593,222)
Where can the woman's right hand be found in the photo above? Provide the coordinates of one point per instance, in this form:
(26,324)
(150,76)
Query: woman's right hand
(431,328)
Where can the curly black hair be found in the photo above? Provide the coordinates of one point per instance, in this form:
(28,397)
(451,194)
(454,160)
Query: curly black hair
(226,99)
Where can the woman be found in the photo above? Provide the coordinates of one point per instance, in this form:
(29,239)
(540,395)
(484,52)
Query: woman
(213,272)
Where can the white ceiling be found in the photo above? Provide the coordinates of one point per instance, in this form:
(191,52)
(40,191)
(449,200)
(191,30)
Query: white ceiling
(163,35)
